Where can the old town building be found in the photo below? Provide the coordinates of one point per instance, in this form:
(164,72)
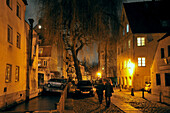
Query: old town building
(141,28)
(160,70)
(14,52)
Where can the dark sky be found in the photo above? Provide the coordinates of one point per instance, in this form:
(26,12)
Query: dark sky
(90,52)
(32,10)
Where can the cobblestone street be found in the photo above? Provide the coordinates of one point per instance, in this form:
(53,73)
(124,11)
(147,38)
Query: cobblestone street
(87,104)
(91,105)
(143,105)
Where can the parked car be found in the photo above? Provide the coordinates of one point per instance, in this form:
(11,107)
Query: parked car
(84,87)
(57,83)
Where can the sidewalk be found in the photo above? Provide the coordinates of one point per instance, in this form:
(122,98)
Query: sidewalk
(148,96)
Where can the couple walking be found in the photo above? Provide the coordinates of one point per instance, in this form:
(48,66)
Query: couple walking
(105,85)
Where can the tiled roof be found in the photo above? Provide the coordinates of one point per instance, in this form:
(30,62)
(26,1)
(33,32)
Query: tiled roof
(148,17)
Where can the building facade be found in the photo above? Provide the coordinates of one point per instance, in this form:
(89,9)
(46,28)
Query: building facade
(12,52)
(137,44)
(160,70)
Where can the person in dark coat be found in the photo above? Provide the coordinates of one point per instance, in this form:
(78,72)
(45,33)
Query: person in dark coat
(99,90)
(108,92)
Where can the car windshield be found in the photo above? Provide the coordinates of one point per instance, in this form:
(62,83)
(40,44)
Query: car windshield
(84,83)
(57,80)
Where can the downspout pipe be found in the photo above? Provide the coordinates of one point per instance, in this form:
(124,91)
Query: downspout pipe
(31,21)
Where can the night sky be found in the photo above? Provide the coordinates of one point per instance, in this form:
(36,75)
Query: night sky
(32,10)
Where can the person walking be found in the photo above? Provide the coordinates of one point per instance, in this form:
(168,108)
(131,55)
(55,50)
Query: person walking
(108,92)
(99,90)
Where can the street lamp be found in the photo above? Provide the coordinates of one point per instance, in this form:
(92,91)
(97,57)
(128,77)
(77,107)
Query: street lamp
(99,75)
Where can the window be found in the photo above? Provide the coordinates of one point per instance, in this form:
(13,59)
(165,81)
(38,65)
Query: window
(140,41)
(122,49)
(17,74)
(10,32)
(9,3)
(141,61)
(129,44)
(40,50)
(39,63)
(18,10)
(125,46)
(168,50)
(18,40)
(125,64)
(123,31)
(162,53)
(45,63)
(127,28)
(35,50)
(158,79)
(167,79)
(8,73)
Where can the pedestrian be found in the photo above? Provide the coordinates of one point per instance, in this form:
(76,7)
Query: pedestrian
(99,90)
(108,92)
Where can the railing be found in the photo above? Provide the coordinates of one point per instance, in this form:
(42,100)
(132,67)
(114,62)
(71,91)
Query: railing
(61,104)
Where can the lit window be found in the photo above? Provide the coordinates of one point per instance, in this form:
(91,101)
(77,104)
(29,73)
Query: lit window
(127,28)
(8,73)
(125,64)
(40,50)
(39,63)
(141,61)
(9,3)
(128,43)
(10,32)
(140,41)
(18,40)
(18,10)
(17,74)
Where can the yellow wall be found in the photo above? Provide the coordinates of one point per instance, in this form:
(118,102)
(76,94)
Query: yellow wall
(9,53)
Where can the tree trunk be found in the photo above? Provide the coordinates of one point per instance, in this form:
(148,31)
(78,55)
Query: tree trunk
(76,65)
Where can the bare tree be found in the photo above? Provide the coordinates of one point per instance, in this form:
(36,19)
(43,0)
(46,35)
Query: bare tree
(78,22)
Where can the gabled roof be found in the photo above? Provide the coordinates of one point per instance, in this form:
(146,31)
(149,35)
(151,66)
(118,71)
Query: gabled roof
(148,17)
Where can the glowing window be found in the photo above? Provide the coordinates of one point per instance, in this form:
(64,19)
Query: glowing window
(128,43)
(127,28)
(17,74)
(140,41)
(8,73)
(141,61)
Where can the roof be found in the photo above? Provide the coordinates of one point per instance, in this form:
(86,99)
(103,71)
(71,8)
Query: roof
(165,36)
(148,16)
(25,2)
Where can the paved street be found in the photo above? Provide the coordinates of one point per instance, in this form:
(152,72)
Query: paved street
(88,104)
(121,102)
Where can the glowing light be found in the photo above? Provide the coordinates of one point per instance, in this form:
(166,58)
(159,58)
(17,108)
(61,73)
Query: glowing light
(39,26)
(99,74)
(131,67)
